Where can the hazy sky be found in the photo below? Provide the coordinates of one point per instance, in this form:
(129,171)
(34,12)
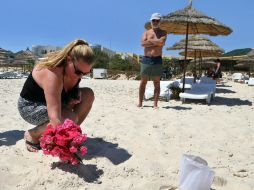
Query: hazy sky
(116,24)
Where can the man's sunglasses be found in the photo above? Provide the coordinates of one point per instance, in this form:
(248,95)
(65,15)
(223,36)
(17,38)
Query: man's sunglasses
(154,20)
(78,72)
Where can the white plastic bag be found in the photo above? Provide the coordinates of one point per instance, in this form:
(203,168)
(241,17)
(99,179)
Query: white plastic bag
(195,174)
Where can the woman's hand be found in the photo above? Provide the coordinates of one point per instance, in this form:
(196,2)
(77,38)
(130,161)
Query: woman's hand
(74,102)
(55,122)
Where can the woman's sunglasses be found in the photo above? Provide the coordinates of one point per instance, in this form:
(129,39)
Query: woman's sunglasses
(78,72)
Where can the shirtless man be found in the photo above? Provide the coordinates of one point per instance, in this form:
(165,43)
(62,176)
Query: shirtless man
(153,41)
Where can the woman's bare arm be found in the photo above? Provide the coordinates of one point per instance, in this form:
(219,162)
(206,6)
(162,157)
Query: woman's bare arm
(52,84)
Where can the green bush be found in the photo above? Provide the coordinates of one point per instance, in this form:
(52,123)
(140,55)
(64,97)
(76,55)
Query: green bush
(101,59)
(138,77)
(129,74)
(176,90)
(117,63)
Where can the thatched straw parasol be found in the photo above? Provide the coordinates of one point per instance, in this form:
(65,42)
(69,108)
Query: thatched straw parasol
(25,59)
(197,23)
(246,62)
(207,63)
(202,53)
(24,56)
(27,54)
(241,65)
(3,51)
(198,46)
(190,21)
(5,56)
(251,54)
(196,42)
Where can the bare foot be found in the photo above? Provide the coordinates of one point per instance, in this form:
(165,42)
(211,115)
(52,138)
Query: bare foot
(139,105)
(155,107)
(32,144)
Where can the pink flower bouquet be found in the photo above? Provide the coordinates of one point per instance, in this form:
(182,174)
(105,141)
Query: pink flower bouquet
(64,141)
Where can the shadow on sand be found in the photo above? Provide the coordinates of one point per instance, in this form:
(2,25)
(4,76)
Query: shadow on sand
(97,147)
(230,101)
(9,138)
(89,172)
(223,85)
(146,106)
(177,107)
(223,90)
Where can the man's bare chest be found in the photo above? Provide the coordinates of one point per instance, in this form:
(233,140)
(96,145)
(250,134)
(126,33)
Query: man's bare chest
(153,35)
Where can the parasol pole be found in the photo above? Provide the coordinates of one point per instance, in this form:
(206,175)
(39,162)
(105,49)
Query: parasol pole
(195,67)
(199,63)
(185,55)
(201,66)
(249,69)
(186,47)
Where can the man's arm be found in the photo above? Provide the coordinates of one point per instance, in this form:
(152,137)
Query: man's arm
(159,42)
(145,42)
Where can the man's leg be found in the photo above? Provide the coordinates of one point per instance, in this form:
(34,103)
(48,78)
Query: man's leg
(142,88)
(156,83)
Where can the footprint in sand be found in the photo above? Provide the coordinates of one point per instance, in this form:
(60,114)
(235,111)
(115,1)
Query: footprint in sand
(219,181)
(241,173)
(168,187)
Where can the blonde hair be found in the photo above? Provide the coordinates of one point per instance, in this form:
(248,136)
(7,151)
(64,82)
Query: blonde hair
(78,49)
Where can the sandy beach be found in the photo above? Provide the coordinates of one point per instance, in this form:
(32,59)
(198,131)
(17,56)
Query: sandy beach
(132,148)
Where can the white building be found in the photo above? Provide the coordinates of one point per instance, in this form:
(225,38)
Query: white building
(109,52)
(41,51)
(99,73)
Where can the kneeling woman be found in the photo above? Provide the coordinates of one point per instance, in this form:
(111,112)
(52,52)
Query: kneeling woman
(51,93)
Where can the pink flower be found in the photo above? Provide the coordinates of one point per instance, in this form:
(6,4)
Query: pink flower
(84,137)
(64,157)
(48,139)
(83,150)
(74,161)
(55,151)
(79,139)
(73,149)
(64,141)
(46,152)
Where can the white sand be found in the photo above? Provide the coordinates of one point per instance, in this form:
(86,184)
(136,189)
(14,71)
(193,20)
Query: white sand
(131,148)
